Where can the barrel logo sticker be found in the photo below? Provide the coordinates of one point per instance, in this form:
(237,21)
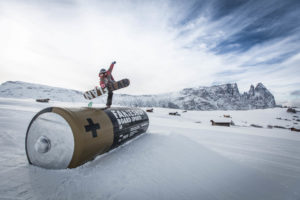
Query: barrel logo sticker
(91,127)
(127,116)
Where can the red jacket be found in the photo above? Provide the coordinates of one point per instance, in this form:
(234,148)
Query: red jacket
(107,77)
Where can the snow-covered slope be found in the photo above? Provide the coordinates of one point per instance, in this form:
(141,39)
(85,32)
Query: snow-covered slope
(220,97)
(180,157)
(18,89)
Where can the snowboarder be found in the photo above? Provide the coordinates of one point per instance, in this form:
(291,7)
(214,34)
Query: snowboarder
(105,79)
(107,85)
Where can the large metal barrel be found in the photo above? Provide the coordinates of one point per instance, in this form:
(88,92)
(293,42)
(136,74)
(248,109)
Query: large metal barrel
(59,138)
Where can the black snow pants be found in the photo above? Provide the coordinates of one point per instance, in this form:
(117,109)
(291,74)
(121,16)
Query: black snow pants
(109,98)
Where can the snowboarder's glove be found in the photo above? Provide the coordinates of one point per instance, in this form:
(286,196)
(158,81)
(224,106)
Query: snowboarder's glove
(114,62)
(102,85)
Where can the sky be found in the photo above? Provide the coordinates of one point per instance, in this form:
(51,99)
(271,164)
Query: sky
(160,45)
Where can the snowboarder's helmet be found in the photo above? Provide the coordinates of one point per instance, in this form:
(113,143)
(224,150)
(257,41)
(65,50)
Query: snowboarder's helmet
(102,71)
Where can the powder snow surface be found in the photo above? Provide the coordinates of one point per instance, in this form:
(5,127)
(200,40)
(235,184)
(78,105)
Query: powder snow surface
(180,157)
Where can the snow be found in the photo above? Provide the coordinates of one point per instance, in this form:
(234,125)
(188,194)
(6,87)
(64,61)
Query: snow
(180,157)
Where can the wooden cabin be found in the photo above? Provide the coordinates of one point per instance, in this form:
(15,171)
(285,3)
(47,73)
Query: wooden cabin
(43,100)
(174,113)
(295,129)
(214,123)
(149,110)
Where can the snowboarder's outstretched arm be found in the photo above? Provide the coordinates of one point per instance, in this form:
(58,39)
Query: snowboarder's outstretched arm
(111,67)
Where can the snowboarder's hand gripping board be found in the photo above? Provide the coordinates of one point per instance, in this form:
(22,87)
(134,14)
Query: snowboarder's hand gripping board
(98,91)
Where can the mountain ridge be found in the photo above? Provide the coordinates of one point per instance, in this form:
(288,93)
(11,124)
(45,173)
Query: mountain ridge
(217,97)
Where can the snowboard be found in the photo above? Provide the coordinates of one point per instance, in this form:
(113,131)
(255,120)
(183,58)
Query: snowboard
(98,91)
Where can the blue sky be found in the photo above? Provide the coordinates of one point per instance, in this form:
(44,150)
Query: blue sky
(160,45)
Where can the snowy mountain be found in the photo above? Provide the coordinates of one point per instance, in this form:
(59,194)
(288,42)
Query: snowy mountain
(219,97)
(24,90)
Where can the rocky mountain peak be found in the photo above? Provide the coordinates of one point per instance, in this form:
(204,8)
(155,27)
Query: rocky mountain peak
(251,91)
(260,85)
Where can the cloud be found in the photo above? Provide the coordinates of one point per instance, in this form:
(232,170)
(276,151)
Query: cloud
(160,45)
(296,93)
(273,25)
